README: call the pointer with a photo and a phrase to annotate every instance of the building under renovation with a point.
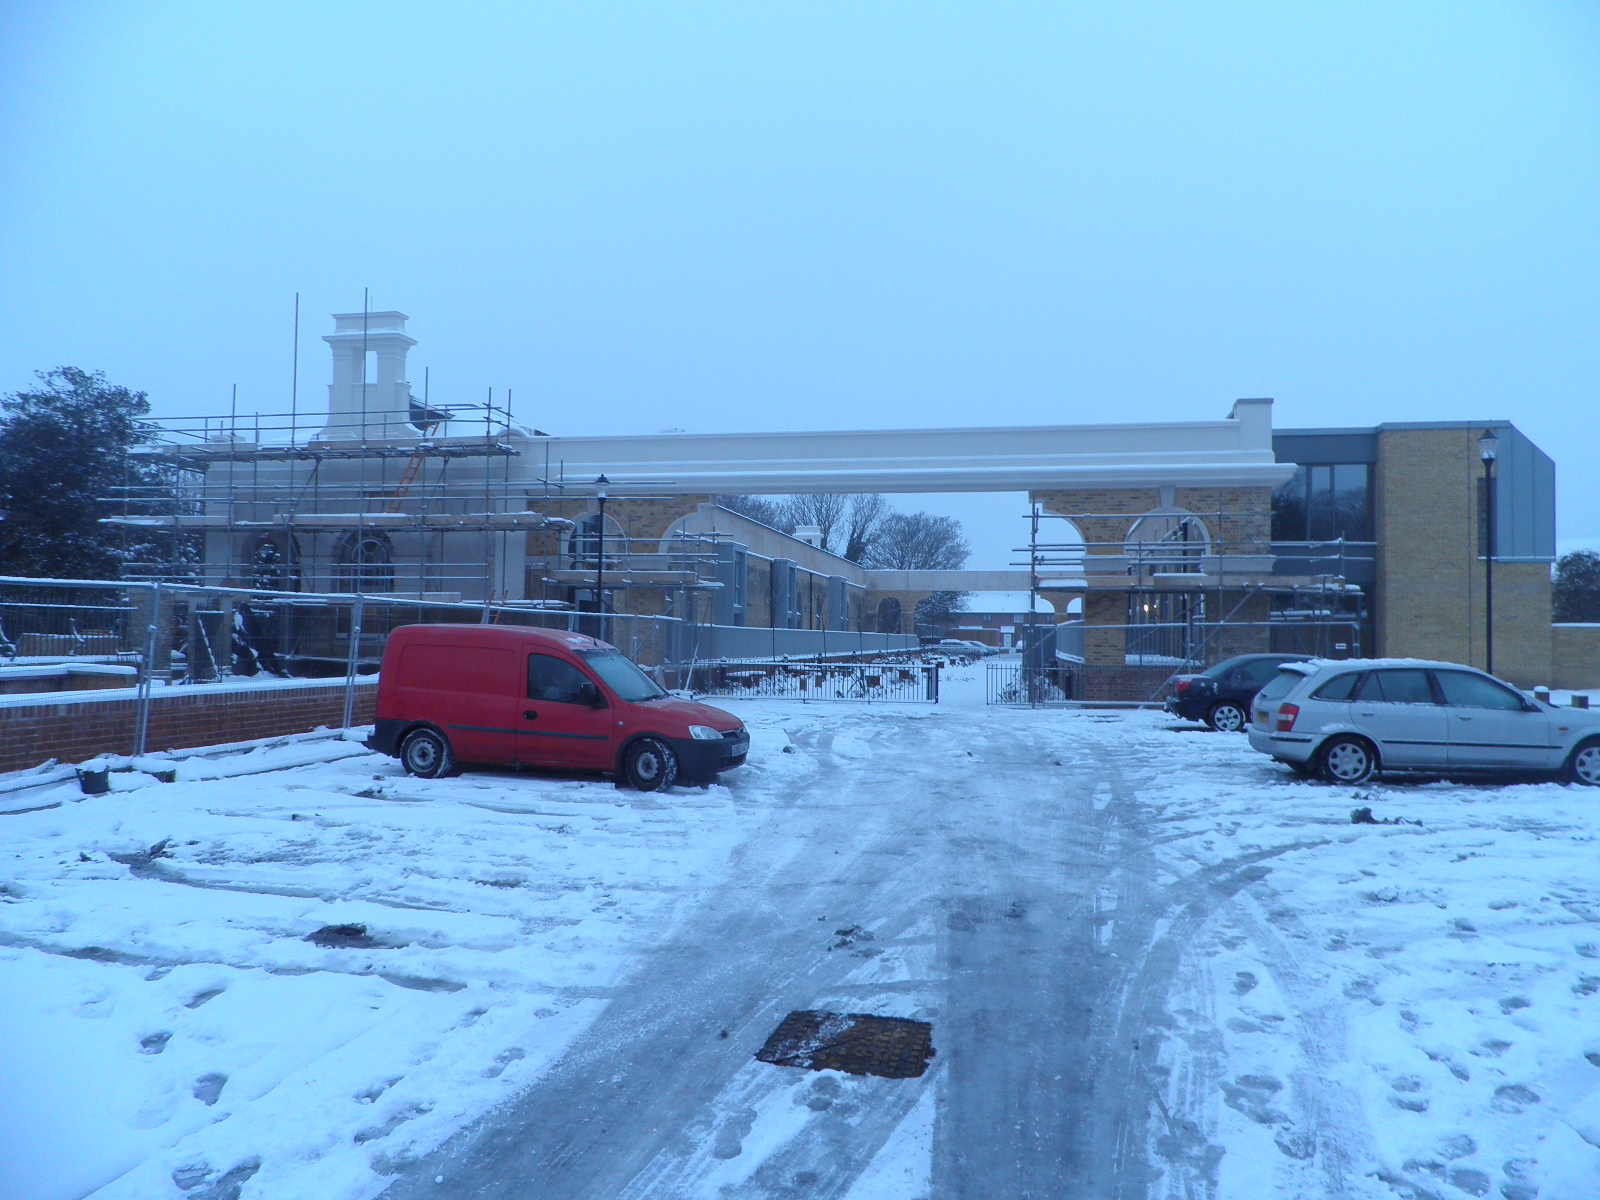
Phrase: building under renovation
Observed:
(1156, 545)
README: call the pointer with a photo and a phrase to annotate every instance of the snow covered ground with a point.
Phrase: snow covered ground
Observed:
(1155, 963)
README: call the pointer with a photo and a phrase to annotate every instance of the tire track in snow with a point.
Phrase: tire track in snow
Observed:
(651, 1068)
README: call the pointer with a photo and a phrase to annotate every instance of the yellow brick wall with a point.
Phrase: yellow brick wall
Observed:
(1430, 601)
(1240, 518)
(1575, 656)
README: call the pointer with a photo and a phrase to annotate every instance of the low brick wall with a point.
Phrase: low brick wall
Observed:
(1575, 656)
(1123, 683)
(33, 731)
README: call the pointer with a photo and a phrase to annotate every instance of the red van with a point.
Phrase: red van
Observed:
(511, 696)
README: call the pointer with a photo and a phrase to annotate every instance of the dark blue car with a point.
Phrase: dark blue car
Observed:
(1221, 695)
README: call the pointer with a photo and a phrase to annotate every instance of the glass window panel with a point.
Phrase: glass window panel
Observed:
(554, 680)
(621, 675)
(1351, 507)
(1370, 690)
(1462, 690)
(1320, 523)
(1260, 671)
(1339, 687)
(1279, 685)
(1289, 509)
(1405, 687)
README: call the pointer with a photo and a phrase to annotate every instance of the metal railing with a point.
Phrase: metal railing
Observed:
(1075, 663)
(74, 635)
(915, 682)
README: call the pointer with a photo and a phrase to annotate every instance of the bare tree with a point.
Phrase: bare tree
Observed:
(825, 510)
(769, 510)
(918, 542)
(861, 529)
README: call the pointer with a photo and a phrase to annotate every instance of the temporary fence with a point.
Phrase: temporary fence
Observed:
(1121, 664)
(70, 636)
(880, 681)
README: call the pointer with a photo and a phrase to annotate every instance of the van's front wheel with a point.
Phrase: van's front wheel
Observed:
(649, 765)
(426, 754)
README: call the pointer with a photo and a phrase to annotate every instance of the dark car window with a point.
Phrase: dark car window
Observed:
(1279, 685)
(1339, 687)
(555, 680)
(1464, 690)
(621, 675)
(1396, 687)
(1254, 674)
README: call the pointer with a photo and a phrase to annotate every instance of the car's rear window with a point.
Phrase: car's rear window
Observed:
(1279, 685)
(1338, 688)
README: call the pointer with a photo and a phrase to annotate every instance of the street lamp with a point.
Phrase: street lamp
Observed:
(600, 486)
(1487, 445)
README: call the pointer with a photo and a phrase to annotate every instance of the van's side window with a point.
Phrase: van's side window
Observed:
(554, 679)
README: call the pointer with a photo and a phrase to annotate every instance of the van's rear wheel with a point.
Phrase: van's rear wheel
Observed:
(426, 754)
(650, 765)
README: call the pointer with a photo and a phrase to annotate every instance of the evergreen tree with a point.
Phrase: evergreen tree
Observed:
(1577, 588)
(63, 451)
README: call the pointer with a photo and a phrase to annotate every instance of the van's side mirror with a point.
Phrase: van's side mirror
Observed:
(589, 694)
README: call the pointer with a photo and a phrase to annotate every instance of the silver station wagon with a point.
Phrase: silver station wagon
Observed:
(1347, 720)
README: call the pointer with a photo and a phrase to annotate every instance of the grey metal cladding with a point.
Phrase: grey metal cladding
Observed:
(1315, 446)
(1525, 500)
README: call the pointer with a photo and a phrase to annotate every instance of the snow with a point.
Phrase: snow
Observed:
(1322, 1008)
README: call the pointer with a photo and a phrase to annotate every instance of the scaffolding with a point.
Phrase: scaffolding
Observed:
(1173, 594)
(446, 517)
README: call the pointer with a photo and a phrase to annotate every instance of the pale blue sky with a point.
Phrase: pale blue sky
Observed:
(810, 216)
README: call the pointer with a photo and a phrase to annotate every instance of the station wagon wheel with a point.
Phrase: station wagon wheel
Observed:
(427, 754)
(1347, 760)
(1584, 765)
(649, 765)
(1226, 717)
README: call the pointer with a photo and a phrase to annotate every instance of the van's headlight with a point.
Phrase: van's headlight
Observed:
(704, 733)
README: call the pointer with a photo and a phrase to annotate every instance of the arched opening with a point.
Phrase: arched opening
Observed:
(1166, 622)
(1165, 542)
(364, 562)
(275, 563)
(584, 543)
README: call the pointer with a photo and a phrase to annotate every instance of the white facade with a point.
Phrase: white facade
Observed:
(1234, 452)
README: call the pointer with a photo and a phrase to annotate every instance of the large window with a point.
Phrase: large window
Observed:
(1324, 502)
(365, 563)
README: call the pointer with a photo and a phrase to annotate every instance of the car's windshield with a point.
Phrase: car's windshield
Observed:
(626, 680)
(1221, 669)
(1279, 685)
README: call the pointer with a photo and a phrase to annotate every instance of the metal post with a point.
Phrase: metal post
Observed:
(1033, 605)
(1487, 445)
(600, 485)
(141, 704)
(350, 666)
(1488, 568)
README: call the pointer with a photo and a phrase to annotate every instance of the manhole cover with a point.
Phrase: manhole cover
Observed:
(851, 1042)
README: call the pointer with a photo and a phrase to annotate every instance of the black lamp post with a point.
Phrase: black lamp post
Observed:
(600, 486)
(1487, 445)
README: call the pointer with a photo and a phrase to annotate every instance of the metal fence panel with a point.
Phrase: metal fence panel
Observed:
(890, 681)
(1135, 664)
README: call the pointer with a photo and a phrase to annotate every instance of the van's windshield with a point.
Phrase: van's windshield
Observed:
(621, 675)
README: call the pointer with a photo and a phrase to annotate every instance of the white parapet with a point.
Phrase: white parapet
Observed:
(1235, 452)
